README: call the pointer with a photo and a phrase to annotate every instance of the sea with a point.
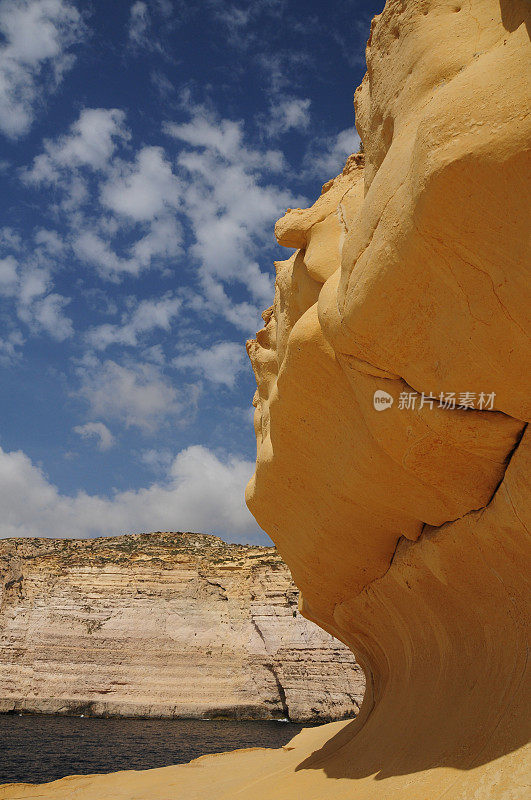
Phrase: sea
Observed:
(37, 749)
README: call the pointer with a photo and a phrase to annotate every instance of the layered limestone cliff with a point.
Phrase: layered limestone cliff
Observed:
(165, 624)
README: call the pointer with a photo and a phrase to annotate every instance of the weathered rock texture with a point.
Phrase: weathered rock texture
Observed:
(172, 624)
(405, 529)
(446, 711)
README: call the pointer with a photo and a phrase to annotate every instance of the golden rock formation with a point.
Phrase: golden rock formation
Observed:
(404, 527)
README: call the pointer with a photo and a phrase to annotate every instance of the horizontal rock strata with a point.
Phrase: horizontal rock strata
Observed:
(163, 625)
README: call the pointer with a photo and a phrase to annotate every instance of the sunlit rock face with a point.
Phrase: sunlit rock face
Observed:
(410, 278)
(163, 625)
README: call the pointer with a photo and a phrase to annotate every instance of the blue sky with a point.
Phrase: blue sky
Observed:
(147, 149)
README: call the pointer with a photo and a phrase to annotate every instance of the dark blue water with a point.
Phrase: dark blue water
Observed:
(37, 749)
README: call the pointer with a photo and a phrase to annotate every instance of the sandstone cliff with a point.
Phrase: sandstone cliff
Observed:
(173, 624)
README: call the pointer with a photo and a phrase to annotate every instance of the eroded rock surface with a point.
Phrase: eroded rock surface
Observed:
(163, 625)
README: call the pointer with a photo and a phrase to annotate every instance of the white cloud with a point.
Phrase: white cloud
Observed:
(98, 300)
(200, 492)
(33, 284)
(230, 208)
(137, 395)
(91, 248)
(142, 190)
(215, 300)
(140, 29)
(147, 316)
(163, 241)
(50, 241)
(164, 7)
(8, 275)
(29, 288)
(236, 20)
(225, 139)
(47, 315)
(216, 204)
(91, 142)
(10, 238)
(221, 363)
(138, 23)
(243, 26)
(97, 430)
(163, 84)
(9, 347)
(288, 113)
(26, 287)
(37, 35)
(154, 354)
(327, 158)
(158, 461)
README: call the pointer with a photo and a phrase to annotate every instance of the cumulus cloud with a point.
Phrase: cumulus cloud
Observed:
(162, 241)
(158, 460)
(243, 26)
(28, 287)
(326, 159)
(288, 113)
(127, 211)
(215, 300)
(230, 206)
(33, 283)
(163, 84)
(140, 30)
(221, 363)
(199, 492)
(10, 345)
(138, 23)
(146, 316)
(142, 190)
(98, 431)
(37, 36)
(10, 238)
(92, 248)
(138, 395)
(91, 142)
(87, 168)
(8, 275)
(224, 138)
(46, 314)
(50, 241)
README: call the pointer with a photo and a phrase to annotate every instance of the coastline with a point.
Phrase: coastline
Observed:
(237, 714)
(43, 749)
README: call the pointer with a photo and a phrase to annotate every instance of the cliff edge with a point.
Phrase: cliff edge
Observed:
(163, 625)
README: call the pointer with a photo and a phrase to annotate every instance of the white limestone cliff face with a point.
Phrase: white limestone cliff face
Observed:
(163, 625)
